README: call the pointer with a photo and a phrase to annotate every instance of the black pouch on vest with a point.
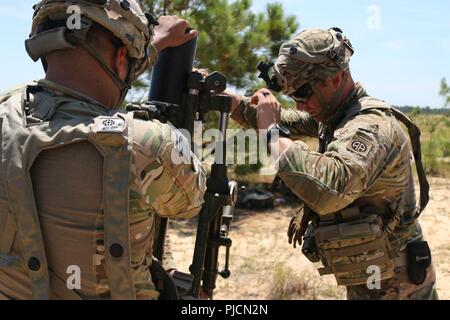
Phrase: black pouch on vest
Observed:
(419, 259)
(309, 248)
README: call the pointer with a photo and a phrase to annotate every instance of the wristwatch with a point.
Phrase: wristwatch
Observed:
(283, 131)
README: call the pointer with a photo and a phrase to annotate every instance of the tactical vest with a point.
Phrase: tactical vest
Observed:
(26, 131)
(349, 248)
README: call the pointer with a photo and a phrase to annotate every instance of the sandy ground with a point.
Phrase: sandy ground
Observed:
(265, 266)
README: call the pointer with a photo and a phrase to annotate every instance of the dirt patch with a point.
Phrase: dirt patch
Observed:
(265, 266)
(435, 222)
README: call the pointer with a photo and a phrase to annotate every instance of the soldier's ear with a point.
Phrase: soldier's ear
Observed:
(121, 63)
(337, 79)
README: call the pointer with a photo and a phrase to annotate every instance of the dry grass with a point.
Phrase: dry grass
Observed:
(288, 285)
(264, 266)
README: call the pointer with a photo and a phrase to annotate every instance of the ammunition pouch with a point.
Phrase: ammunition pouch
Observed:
(349, 249)
(419, 260)
(309, 248)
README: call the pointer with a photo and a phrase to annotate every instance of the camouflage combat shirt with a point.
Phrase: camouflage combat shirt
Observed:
(67, 184)
(368, 162)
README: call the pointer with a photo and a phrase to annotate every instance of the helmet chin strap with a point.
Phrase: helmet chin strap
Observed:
(329, 108)
(123, 86)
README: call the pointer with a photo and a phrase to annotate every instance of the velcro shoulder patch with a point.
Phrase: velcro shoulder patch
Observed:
(360, 144)
(109, 125)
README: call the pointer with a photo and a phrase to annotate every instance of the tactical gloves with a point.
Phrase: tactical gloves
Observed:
(297, 229)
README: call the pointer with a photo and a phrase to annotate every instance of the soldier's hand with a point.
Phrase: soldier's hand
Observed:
(202, 71)
(171, 32)
(295, 231)
(236, 99)
(268, 107)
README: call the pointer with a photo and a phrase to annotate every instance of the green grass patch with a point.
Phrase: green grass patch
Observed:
(435, 141)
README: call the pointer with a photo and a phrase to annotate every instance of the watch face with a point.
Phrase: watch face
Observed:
(284, 131)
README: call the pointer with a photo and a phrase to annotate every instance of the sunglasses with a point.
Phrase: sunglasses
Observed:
(303, 93)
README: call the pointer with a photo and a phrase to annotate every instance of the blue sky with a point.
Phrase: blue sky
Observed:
(402, 47)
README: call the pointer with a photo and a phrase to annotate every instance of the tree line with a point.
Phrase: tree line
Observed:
(233, 39)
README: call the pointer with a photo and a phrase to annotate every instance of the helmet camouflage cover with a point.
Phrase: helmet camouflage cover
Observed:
(123, 18)
(311, 56)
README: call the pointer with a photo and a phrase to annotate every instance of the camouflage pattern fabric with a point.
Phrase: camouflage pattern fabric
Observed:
(71, 213)
(311, 56)
(130, 25)
(299, 123)
(368, 163)
(397, 288)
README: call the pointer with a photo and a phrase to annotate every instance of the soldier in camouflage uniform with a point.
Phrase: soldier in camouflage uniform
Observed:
(82, 181)
(359, 212)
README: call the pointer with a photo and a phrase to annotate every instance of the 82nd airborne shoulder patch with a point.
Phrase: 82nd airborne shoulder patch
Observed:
(360, 145)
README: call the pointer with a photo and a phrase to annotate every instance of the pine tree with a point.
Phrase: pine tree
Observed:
(233, 39)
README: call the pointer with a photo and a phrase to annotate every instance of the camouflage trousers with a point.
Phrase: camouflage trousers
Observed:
(398, 288)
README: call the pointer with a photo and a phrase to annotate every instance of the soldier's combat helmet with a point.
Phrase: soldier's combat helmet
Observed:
(55, 27)
(312, 55)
